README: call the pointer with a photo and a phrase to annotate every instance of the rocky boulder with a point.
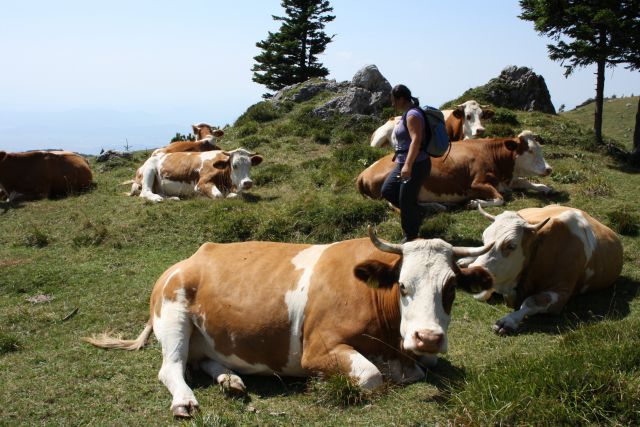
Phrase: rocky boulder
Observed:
(519, 88)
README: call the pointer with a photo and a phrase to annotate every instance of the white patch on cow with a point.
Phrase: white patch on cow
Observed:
(522, 184)
(512, 320)
(215, 193)
(177, 188)
(506, 231)
(296, 301)
(173, 329)
(531, 162)
(473, 204)
(580, 227)
(240, 160)
(425, 270)
(385, 134)
(367, 374)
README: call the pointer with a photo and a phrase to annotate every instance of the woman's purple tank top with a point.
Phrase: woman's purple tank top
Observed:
(404, 138)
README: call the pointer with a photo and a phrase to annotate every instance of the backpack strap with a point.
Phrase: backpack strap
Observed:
(426, 131)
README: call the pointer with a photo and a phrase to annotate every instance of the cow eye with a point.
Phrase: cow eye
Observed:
(403, 289)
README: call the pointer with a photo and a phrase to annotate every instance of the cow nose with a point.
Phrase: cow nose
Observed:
(428, 341)
(480, 131)
(548, 171)
(247, 185)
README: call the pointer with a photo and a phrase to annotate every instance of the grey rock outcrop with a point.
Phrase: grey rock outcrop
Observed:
(111, 154)
(367, 93)
(520, 88)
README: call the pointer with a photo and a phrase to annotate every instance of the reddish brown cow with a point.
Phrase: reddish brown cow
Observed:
(37, 174)
(205, 134)
(473, 170)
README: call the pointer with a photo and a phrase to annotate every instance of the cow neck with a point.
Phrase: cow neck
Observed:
(387, 307)
(503, 159)
(524, 283)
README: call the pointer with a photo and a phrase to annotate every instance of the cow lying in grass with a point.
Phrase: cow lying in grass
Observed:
(205, 141)
(473, 170)
(38, 174)
(463, 122)
(541, 257)
(213, 174)
(297, 310)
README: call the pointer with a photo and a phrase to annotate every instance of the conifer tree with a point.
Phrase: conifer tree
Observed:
(601, 32)
(291, 55)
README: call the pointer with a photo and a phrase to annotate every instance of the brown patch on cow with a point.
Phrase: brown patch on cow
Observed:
(448, 295)
(454, 125)
(44, 173)
(474, 279)
(183, 167)
(188, 147)
(557, 261)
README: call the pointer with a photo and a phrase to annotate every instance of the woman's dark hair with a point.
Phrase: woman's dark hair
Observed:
(401, 91)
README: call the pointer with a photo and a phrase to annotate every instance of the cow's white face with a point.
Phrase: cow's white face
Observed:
(472, 114)
(427, 290)
(531, 162)
(241, 161)
(511, 235)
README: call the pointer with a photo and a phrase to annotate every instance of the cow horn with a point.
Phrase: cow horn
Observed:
(383, 245)
(485, 213)
(461, 252)
(536, 227)
(485, 106)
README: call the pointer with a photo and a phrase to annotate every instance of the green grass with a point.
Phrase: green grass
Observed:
(619, 118)
(101, 252)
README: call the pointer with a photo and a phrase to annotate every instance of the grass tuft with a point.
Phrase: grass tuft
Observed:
(36, 237)
(338, 390)
(624, 222)
(8, 343)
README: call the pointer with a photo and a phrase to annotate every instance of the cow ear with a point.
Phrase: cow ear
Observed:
(511, 145)
(376, 274)
(3, 154)
(195, 129)
(475, 279)
(487, 114)
(256, 160)
(458, 113)
(220, 162)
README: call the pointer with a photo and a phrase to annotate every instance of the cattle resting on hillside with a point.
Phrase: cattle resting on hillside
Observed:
(38, 174)
(472, 170)
(541, 257)
(205, 141)
(463, 122)
(211, 174)
(297, 310)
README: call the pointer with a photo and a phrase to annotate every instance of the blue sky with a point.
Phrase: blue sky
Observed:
(85, 75)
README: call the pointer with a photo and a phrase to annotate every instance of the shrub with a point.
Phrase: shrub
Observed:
(8, 343)
(252, 142)
(624, 222)
(570, 176)
(504, 116)
(91, 235)
(261, 112)
(249, 128)
(36, 237)
(271, 174)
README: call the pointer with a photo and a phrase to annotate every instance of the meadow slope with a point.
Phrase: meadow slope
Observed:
(100, 252)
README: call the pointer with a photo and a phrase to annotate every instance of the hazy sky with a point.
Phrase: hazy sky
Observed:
(85, 75)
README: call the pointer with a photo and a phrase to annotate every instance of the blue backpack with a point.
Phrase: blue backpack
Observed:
(436, 141)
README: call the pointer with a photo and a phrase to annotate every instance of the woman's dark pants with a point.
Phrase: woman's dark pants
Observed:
(404, 195)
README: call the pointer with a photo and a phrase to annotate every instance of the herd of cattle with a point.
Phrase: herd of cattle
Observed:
(362, 307)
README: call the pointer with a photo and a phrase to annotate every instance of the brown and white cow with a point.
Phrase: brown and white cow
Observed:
(472, 170)
(544, 256)
(297, 310)
(463, 122)
(212, 174)
(205, 141)
(36, 174)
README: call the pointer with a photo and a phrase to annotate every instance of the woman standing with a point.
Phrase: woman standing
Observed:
(413, 164)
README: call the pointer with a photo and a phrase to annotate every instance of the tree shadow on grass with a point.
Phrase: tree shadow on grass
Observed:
(612, 303)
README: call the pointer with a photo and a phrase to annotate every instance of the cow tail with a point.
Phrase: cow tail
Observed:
(107, 341)
(131, 181)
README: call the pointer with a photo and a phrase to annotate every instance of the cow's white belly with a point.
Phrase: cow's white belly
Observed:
(428, 196)
(177, 188)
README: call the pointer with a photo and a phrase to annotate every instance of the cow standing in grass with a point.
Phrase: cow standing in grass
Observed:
(541, 257)
(294, 309)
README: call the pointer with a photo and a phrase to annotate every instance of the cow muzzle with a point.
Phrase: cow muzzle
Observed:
(480, 132)
(246, 184)
(428, 341)
(548, 171)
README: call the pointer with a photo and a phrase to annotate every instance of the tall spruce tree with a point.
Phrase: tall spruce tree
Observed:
(291, 55)
(601, 32)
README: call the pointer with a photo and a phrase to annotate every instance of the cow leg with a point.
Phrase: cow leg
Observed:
(484, 195)
(148, 179)
(543, 302)
(523, 184)
(346, 360)
(173, 329)
(228, 380)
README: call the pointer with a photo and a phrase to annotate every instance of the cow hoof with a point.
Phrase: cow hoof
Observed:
(502, 330)
(473, 204)
(233, 386)
(185, 411)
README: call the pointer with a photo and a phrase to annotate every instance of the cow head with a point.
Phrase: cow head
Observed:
(239, 162)
(511, 237)
(426, 278)
(471, 113)
(529, 159)
(206, 131)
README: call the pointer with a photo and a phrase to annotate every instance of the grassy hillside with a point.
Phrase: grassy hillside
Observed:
(619, 118)
(101, 252)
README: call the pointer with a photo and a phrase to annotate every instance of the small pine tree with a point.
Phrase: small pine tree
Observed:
(291, 55)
